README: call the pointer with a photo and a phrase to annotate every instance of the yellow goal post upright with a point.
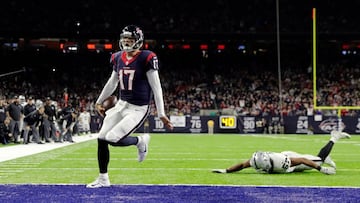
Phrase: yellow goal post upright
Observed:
(316, 107)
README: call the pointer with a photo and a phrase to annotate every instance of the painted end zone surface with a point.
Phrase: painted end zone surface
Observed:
(174, 193)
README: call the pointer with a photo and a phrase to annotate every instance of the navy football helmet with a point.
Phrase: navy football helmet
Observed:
(133, 32)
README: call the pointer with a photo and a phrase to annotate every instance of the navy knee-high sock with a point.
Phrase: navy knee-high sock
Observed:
(103, 155)
(126, 141)
(325, 151)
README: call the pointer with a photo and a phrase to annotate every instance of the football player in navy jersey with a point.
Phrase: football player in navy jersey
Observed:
(135, 72)
(289, 161)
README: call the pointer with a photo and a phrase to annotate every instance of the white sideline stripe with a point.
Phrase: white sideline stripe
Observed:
(11, 170)
(21, 150)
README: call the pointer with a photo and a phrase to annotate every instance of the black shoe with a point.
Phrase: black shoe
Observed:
(16, 142)
(41, 143)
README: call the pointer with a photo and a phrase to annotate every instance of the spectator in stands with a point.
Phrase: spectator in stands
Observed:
(84, 121)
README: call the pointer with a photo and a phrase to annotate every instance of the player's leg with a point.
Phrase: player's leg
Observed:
(103, 153)
(53, 131)
(36, 134)
(12, 126)
(46, 129)
(26, 134)
(326, 150)
(133, 117)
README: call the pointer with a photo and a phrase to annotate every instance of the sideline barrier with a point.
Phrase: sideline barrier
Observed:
(251, 124)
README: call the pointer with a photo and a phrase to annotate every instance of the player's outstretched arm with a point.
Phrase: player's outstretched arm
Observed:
(109, 87)
(234, 168)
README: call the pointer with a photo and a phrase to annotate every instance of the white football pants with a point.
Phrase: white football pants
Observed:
(121, 120)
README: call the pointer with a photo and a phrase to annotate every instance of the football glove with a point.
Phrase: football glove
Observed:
(218, 170)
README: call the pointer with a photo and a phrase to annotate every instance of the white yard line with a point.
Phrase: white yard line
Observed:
(21, 150)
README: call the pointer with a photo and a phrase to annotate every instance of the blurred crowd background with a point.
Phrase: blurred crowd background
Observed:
(242, 76)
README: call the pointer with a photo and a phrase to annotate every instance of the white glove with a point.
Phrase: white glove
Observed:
(328, 170)
(218, 170)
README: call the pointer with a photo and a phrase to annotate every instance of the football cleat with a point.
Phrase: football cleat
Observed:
(337, 135)
(328, 170)
(330, 162)
(99, 182)
(142, 146)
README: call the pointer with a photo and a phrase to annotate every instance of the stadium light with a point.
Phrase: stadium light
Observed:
(109, 46)
(171, 46)
(204, 46)
(220, 46)
(186, 46)
(91, 46)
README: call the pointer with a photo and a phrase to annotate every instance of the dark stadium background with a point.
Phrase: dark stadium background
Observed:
(49, 47)
(223, 46)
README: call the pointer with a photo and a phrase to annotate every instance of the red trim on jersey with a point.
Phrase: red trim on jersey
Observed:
(127, 61)
(151, 55)
(112, 60)
(112, 57)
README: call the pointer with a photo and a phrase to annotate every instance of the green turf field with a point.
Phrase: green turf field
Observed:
(186, 159)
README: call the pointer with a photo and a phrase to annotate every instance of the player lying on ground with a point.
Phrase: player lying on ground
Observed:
(289, 161)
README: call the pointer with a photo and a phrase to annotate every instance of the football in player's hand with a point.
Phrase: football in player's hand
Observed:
(108, 103)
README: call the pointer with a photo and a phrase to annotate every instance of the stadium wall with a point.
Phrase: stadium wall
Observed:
(317, 124)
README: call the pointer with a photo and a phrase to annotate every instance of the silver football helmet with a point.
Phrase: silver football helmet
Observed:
(261, 161)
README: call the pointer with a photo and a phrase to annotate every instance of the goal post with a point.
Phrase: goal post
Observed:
(314, 57)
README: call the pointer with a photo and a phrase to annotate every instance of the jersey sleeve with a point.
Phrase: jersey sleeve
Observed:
(154, 81)
(152, 61)
(114, 60)
(109, 87)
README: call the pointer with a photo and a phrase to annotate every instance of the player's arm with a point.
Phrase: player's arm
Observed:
(154, 81)
(300, 160)
(107, 90)
(234, 168)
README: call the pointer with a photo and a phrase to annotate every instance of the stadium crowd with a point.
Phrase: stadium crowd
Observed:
(240, 90)
(221, 82)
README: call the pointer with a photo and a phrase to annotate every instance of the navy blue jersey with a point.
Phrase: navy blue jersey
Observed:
(133, 83)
